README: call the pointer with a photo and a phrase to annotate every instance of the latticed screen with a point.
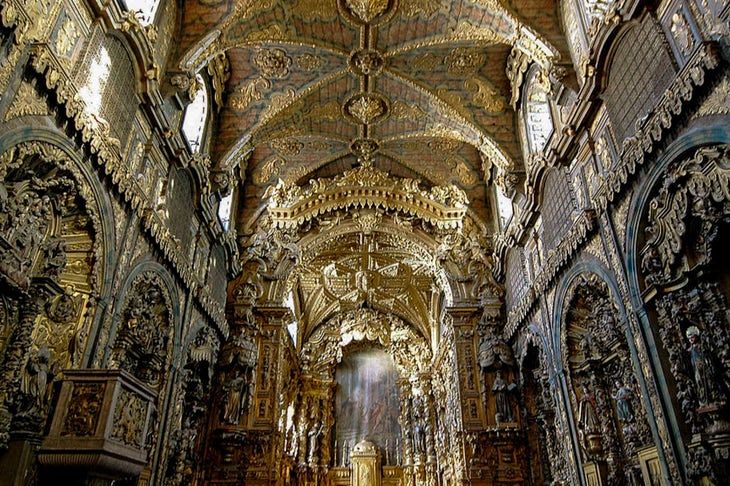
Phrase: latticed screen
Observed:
(640, 72)
(516, 279)
(558, 206)
(111, 97)
(217, 282)
(180, 209)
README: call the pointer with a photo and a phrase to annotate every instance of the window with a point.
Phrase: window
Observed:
(145, 8)
(538, 120)
(504, 208)
(294, 325)
(92, 92)
(195, 116)
(224, 211)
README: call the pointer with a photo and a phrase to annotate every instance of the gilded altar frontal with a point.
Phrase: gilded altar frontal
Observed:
(364, 242)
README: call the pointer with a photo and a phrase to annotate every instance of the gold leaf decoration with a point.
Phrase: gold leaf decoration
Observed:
(484, 96)
(273, 63)
(465, 174)
(367, 10)
(274, 32)
(464, 61)
(718, 103)
(454, 101)
(427, 62)
(26, 102)
(406, 111)
(366, 108)
(309, 10)
(468, 31)
(278, 102)
(287, 147)
(427, 8)
(269, 169)
(329, 111)
(444, 145)
(67, 37)
(309, 62)
(247, 94)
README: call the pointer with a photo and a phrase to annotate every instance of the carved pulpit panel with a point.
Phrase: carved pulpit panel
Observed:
(365, 460)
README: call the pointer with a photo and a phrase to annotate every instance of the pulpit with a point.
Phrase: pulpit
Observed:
(99, 428)
(365, 461)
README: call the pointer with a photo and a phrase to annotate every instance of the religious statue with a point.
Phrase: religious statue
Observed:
(588, 423)
(34, 381)
(702, 367)
(419, 433)
(313, 436)
(502, 402)
(623, 402)
(236, 400)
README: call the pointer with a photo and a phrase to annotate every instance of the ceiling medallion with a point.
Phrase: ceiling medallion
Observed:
(364, 149)
(366, 108)
(366, 62)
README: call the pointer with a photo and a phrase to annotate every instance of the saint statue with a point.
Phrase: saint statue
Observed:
(704, 371)
(420, 437)
(34, 380)
(623, 402)
(236, 400)
(503, 408)
(587, 418)
(313, 435)
(588, 424)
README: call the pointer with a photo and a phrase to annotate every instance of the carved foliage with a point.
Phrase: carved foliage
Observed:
(685, 217)
(141, 346)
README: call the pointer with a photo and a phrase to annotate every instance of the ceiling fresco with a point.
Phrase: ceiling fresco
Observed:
(420, 87)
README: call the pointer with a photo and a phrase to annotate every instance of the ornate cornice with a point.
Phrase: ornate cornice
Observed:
(367, 187)
(636, 151)
(94, 135)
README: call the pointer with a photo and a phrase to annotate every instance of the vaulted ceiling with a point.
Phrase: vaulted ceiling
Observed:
(418, 86)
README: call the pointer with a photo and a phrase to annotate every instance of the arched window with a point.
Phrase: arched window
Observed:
(92, 92)
(146, 9)
(504, 208)
(224, 211)
(537, 116)
(196, 115)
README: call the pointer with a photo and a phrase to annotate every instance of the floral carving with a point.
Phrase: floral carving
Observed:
(273, 63)
(366, 108)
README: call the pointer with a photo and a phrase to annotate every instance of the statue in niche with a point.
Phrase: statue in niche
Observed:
(34, 383)
(702, 367)
(236, 401)
(419, 433)
(588, 423)
(314, 435)
(501, 391)
(623, 396)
